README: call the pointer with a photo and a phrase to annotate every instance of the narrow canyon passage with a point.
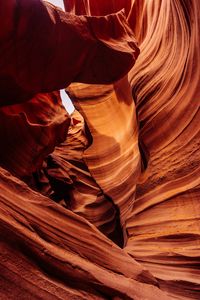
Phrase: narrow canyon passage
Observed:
(100, 199)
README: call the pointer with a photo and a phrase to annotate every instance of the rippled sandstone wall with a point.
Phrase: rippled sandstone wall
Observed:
(164, 229)
(163, 226)
(126, 172)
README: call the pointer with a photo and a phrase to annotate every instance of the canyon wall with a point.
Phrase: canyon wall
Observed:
(102, 204)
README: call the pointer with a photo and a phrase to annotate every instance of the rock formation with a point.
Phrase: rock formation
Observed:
(102, 204)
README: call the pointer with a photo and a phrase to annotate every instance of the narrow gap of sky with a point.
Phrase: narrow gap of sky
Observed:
(57, 3)
(65, 99)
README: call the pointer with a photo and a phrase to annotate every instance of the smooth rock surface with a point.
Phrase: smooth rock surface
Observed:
(123, 170)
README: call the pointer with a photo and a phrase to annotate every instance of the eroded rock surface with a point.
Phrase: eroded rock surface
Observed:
(123, 170)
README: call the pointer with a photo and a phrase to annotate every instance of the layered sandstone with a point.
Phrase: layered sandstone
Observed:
(103, 204)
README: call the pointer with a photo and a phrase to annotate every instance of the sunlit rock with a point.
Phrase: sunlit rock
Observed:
(101, 202)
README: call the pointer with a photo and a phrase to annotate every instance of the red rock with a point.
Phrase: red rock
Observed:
(94, 168)
(30, 131)
(61, 49)
(56, 253)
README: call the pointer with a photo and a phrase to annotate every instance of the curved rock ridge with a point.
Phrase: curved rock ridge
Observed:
(72, 185)
(30, 131)
(134, 11)
(123, 170)
(62, 48)
(113, 157)
(47, 251)
(164, 230)
(59, 254)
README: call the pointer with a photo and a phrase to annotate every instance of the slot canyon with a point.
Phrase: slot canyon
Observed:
(102, 202)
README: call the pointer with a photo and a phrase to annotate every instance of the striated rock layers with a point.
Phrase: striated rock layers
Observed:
(102, 204)
(164, 229)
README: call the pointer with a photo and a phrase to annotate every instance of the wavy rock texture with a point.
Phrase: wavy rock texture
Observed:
(47, 251)
(73, 186)
(114, 132)
(65, 254)
(129, 171)
(164, 231)
(164, 227)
